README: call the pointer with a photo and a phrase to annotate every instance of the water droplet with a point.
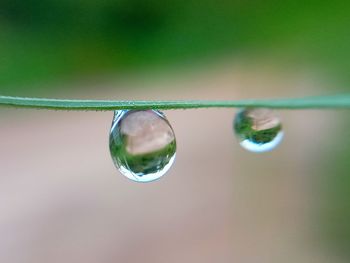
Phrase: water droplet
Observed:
(142, 144)
(258, 130)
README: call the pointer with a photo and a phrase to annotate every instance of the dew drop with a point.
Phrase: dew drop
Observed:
(142, 144)
(258, 130)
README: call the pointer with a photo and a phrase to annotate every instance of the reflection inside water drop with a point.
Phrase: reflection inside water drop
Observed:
(258, 130)
(142, 144)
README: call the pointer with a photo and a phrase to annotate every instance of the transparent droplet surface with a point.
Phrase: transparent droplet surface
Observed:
(142, 144)
(258, 129)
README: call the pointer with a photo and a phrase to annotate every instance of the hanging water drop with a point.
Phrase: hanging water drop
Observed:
(142, 144)
(258, 129)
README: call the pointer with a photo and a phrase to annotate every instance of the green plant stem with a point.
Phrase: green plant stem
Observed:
(324, 102)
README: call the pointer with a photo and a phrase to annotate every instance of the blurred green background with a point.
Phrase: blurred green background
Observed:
(56, 47)
(50, 40)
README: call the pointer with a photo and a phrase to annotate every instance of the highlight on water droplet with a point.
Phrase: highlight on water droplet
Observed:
(258, 129)
(142, 144)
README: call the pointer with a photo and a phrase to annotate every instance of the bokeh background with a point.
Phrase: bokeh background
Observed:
(61, 198)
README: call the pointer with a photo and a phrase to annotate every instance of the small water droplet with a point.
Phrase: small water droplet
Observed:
(142, 144)
(258, 130)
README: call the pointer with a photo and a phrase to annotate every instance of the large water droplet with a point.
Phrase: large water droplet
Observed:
(142, 144)
(258, 130)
